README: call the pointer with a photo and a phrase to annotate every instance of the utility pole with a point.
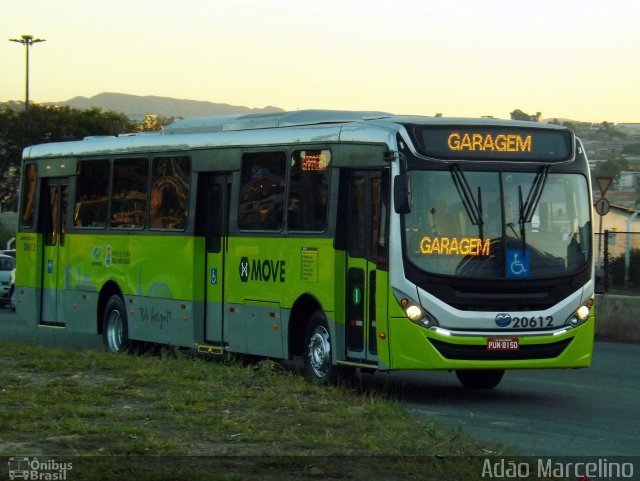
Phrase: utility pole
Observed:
(27, 41)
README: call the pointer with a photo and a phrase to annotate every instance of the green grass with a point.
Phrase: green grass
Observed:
(120, 409)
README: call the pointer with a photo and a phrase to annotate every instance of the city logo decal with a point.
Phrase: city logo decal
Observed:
(96, 256)
(96, 253)
(503, 319)
(261, 270)
(107, 257)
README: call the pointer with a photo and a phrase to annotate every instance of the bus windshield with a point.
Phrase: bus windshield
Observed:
(482, 230)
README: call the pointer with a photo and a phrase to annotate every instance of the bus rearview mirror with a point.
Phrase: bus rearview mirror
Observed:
(402, 194)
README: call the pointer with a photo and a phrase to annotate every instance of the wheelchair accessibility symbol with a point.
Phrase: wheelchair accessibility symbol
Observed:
(518, 263)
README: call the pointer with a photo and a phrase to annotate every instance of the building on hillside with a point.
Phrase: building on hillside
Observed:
(623, 225)
(631, 129)
(629, 181)
(617, 219)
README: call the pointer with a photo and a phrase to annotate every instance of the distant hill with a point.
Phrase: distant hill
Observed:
(135, 105)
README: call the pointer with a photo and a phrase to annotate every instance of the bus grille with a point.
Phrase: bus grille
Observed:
(501, 296)
(481, 353)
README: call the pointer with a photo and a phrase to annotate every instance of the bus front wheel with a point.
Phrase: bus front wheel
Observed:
(115, 332)
(317, 351)
(480, 378)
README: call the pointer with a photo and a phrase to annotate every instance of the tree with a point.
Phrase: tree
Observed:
(520, 115)
(612, 168)
(631, 149)
(42, 124)
(607, 131)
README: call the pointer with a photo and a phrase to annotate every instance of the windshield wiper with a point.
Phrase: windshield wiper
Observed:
(533, 199)
(473, 207)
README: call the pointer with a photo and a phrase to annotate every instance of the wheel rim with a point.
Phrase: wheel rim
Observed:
(115, 331)
(320, 352)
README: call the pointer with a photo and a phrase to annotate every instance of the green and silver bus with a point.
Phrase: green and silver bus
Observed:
(355, 240)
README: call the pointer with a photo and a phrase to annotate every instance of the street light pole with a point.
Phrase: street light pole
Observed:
(27, 41)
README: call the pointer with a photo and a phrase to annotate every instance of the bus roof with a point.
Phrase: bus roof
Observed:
(304, 126)
(317, 117)
(270, 120)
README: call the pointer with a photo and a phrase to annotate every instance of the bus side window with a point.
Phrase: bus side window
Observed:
(29, 195)
(63, 212)
(261, 203)
(357, 213)
(308, 190)
(92, 190)
(129, 194)
(380, 218)
(51, 218)
(168, 205)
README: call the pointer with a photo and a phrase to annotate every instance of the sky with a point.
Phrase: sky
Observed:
(573, 59)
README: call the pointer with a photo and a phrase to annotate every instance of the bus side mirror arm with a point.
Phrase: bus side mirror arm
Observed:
(402, 194)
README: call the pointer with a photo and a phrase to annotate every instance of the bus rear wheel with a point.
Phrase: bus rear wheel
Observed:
(115, 329)
(318, 351)
(480, 378)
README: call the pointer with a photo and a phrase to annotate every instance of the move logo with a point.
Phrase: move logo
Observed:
(261, 270)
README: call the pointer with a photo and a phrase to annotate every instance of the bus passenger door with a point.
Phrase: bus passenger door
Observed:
(367, 261)
(215, 202)
(53, 214)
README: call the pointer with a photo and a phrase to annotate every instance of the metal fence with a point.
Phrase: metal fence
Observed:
(618, 262)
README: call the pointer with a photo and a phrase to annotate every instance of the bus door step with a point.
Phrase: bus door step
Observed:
(362, 365)
(211, 350)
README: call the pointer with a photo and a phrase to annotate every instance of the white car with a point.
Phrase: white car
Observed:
(7, 267)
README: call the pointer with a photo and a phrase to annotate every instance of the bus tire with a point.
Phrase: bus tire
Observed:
(115, 329)
(480, 378)
(318, 351)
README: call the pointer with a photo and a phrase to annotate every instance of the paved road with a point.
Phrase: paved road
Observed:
(583, 412)
(578, 412)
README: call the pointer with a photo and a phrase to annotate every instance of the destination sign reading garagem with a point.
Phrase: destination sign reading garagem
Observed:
(494, 143)
(465, 246)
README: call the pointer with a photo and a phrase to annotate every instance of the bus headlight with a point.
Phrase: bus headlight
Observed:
(580, 315)
(414, 311)
(417, 314)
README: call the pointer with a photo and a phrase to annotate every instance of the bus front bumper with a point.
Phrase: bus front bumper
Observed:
(414, 347)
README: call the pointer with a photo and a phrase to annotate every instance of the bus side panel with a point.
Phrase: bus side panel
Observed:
(264, 278)
(156, 275)
(338, 315)
(382, 319)
(28, 276)
(161, 301)
(164, 321)
(80, 310)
